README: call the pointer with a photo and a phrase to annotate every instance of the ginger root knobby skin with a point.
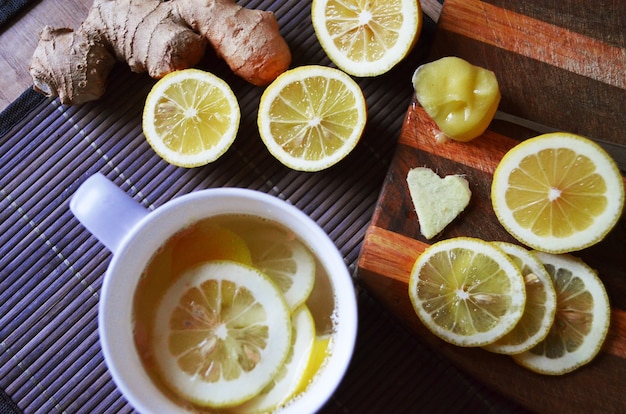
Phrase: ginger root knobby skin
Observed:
(158, 37)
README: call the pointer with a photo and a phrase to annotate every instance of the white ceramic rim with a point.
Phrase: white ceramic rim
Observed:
(117, 292)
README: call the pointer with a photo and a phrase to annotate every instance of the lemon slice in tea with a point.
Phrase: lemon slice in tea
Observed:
(558, 192)
(285, 384)
(540, 304)
(321, 349)
(190, 117)
(467, 291)
(581, 322)
(283, 258)
(204, 242)
(222, 333)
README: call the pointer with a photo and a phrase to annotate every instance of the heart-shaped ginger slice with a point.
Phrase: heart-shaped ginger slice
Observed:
(437, 200)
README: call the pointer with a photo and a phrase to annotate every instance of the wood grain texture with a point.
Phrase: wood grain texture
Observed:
(603, 20)
(582, 89)
(548, 73)
(536, 39)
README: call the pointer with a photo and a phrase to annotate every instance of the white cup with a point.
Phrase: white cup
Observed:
(133, 234)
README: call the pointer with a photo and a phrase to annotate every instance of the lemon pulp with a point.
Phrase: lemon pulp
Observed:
(366, 38)
(540, 305)
(467, 291)
(190, 117)
(222, 333)
(312, 117)
(581, 321)
(558, 192)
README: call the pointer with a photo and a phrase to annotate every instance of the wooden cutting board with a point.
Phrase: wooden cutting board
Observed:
(562, 65)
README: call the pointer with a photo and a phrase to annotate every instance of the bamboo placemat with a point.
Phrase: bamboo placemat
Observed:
(10, 8)
(51, 268)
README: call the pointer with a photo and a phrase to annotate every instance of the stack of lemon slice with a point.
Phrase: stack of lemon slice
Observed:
(234, 330)
(550, 312)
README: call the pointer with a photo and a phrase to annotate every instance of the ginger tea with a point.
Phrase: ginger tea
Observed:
(244, 244)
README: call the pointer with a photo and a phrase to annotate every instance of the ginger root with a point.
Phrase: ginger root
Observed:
(158, 37)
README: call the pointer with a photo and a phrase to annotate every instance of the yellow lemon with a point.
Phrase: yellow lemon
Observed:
(312, 117)
(204, 242)
(558, 192)
(540, 304)
(321, 349)
(284, 386)
(283, 258)
(190, 117)
(366, 38)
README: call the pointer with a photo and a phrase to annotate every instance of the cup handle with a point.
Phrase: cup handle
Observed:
(106, 211)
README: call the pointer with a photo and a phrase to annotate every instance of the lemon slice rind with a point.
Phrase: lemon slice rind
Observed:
(322, 346)
(285, 384)
(511, 344)
(285, 260)
(599, 326)
(321, 85)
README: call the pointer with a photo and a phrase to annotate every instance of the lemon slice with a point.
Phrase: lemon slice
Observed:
(190, 117)
(319, 353)
(540, 304)
(582, 318)
(558, 192)
(311, 117)
(285, 385)
(205, 242)
(222, 332)
(366, 38)
(467, 291)
(283, 258)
